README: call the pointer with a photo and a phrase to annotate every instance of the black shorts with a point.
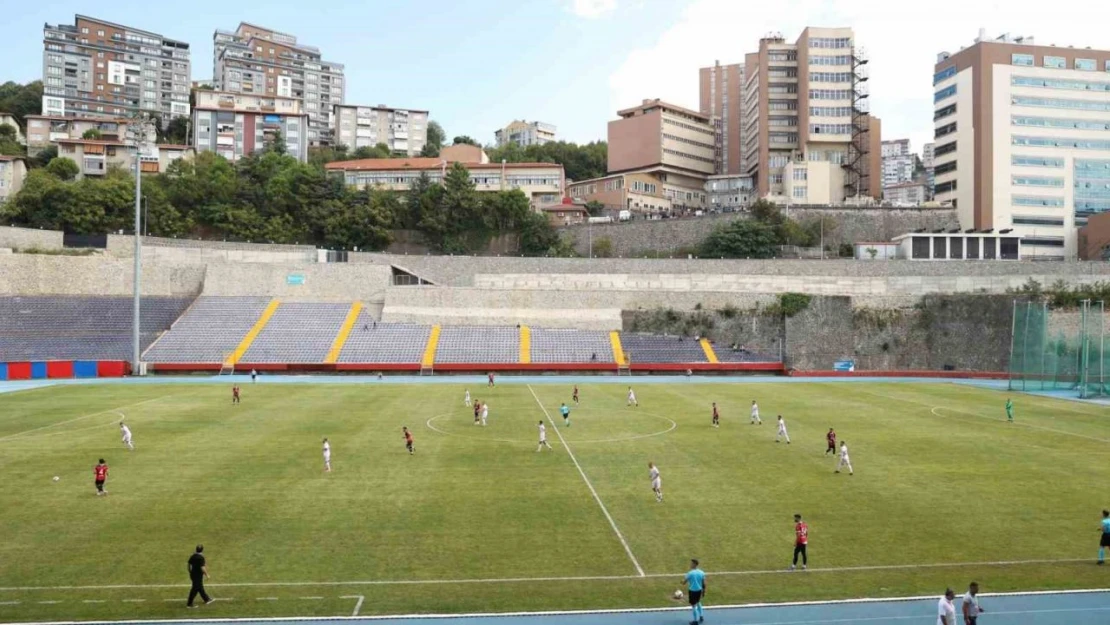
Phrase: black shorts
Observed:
(99, 484)
(1105, 542)
(972, 620)
(695, 597)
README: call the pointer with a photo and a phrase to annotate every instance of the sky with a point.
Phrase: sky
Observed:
(477, 65)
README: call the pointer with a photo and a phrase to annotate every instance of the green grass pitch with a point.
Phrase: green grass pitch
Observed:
(940, 479)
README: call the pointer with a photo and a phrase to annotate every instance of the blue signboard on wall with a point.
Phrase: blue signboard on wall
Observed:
(295, 279)
(844, 365)
(272, 119)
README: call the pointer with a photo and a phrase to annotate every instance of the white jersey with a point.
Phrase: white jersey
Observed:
(467, 398)
(543, 433)
(327, 450)
(782, 426)
(631, 395)
(126, 432)
(946, 610)
(844, 452)
(655, 479)
(485, 410)
(755, 411)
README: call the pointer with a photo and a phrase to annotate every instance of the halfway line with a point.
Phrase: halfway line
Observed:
(612, 523)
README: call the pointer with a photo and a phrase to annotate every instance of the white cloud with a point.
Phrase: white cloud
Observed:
(592, 9)
(901, 39)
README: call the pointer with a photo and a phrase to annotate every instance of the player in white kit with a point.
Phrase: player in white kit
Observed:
(327, 456)
(782, 431)
(485, 413)
(844, 461)
(656, 481)
(125, 433)
(755, 414)
(632, 398)
(543, 437)
(466, 399)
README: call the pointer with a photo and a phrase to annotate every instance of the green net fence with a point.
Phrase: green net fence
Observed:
(1060, 349)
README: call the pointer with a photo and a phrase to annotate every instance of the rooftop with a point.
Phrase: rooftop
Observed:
(90, 142)
(381, 107)
(424, 164)
(657, 103)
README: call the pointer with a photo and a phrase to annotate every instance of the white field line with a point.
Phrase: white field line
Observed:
(861, 600)
(580, 578)
(612, 523)
(358, 604)
(82, 417)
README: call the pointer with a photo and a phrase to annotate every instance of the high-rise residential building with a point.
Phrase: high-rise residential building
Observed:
(98, 68)
(721, 90)
(1023, 139)
(672, 145)
(253, 60)
(898, 163)
(234, 125)
(525, 133)
(404, 131)
(927, 159)
(805, 106)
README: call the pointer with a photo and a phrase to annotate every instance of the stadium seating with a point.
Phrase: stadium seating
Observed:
(726, 353)
(372, 341)
(661, 349)
(297, 333)
(571, 346)
(209, 331)
(466, 344)
(80, 328)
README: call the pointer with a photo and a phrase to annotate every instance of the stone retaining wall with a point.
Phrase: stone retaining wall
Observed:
(29, 238)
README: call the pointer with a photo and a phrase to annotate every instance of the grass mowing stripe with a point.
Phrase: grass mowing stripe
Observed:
(612, 523)
(94, 414)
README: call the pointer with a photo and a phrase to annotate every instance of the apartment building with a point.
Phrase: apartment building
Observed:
(45, 130)
(912, 193)
(898, 162)
(807, 101)
(234, 125)
(98, 68)
(94, 157)
(13, 169)
(405, 131)
(927, 161)
(252, 60)
(721, 95)
(525, 133)
(543, 183)
(641, 193)
(1023, 139)
(674, 145)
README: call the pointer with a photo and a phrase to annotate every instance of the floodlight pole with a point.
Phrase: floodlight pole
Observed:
(137, 135)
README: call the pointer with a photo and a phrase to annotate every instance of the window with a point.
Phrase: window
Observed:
(945, 93)
(1049, 122)
(947, 148)
(940, 247)
(1038, 221)
(920, 248)
(1086, 65)
(956, 248)
(1022, 59)
(1042, 241)
(1055, 83)
(800, 192)
(947, 129)
(1060, 103)
(829, 60)
(1038, 181)
(940, 170)
(1035, 161)
(830, 94)
(947, 73)
(800, 174)
(100, 33)
(775, 179)
(1060, 142)
(945, 187)
(944, 112)
(84, 31)
(1036, 200)
(1055, 62)
(830, 42)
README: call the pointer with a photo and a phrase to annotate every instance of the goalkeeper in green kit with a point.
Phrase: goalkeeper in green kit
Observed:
(1009, 410)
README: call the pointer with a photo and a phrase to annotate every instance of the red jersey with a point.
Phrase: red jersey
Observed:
(235, 391)
(715, 412)
(831, 437)
(101, 471)
(801, 533)
(408, 437)
(576, 391)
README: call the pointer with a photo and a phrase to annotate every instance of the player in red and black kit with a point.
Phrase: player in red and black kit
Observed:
(490, 379)
(831, 438)
(477, 410)
(408, 441)
(575, 396)
(801, 539)
(716, 416)
(235, 394)
(100, 473)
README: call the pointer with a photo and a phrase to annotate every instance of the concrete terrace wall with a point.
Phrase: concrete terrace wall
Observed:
(27, 238)
(318, 282)
(38, 274)
(190, 251)
(668, 235)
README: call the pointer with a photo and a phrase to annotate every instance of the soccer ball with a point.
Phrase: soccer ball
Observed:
(56, 478)
(678, 595)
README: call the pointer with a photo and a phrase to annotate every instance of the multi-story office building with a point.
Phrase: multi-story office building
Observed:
(543, 183)
(806, 102)
(103, 69)
(234, 125)
(1023, 139)
(404, 131)
(673, 145)
(898, 162)
(252, 60)
(46, 130)
(721, 90)
(729, 191)
(525, 133)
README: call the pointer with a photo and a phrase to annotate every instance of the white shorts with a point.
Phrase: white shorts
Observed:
(657, 484)
(782, 431)
(543, 441)
(631, 398)
(127, 439)
(327, 457)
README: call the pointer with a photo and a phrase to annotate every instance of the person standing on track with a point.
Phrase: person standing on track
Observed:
(490, 377)
(198, 571)
(946, 612)
(1102, 544)
(970, 606)
(254, 376)
(695, 583)
(801, 541)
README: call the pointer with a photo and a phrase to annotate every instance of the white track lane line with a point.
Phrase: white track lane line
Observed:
(612, 523)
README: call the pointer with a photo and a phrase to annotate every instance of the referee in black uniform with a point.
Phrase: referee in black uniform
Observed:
(198, 570)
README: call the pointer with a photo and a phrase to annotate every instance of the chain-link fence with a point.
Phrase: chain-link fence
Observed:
(1059, 349)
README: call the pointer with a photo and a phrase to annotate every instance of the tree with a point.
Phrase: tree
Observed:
(743, 238)
(21, 100)
(9, 145)
(63, 168)
(435, 139)
(175, 132)
(580, 162)
(594, 207)
(43, 158)
(276, 143)
(464, 139)
(92, 133)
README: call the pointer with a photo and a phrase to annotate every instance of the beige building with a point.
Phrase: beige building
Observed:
(404, 131)
(565, 214)
(673, 145)
(543, 183)
(13, 170)
(253, 60)
(44, 130)
(95, 157)
(639, 192)
(525, 133)
(234, 125)
(463, 153)
(1023, 139)
(913, 193)
(806, 101)
(721, 88)
(7, 119)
